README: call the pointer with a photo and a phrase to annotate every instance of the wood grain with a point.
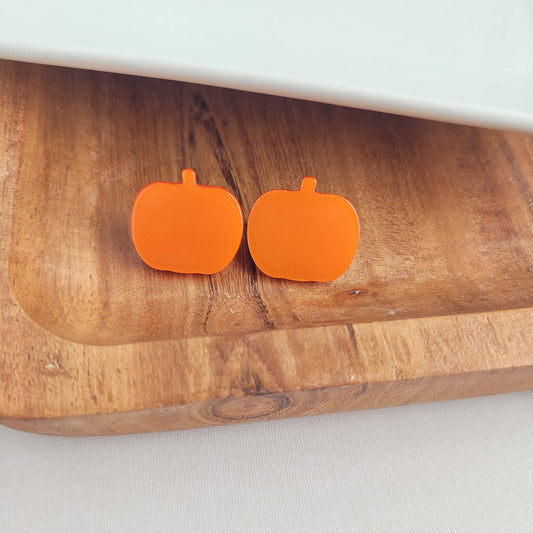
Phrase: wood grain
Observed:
(438, 303)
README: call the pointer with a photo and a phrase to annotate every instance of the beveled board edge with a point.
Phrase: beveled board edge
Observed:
(257, 407)
(421, 360)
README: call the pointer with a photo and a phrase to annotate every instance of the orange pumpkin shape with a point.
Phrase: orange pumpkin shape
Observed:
(303, 235)
(186, 227)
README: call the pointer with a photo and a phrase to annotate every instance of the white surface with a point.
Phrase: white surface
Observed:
(450, 466)
(466, 61)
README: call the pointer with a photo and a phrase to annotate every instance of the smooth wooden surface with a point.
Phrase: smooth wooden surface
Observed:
(437, 304)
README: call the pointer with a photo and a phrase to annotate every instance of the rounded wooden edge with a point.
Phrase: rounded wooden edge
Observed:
(270, 406)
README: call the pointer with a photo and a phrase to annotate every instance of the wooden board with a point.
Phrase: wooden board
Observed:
(437, 304)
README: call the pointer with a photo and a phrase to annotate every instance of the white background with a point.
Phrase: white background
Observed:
(467, 61)
(450, 466)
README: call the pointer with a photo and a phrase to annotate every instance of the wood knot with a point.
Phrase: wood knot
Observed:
(357, 292)
(250, 407)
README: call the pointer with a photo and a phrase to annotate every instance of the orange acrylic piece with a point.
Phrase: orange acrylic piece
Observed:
(303, 235)
(186, 227)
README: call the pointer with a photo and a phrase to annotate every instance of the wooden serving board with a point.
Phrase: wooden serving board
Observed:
(437, 304)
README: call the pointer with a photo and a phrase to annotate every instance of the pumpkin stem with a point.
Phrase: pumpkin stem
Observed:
(308, 185)
(189, 176)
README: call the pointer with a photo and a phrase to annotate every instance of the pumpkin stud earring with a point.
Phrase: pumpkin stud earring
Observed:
(303, 235)
(186, 227)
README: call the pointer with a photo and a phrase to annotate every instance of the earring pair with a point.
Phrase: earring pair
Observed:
(298, 235)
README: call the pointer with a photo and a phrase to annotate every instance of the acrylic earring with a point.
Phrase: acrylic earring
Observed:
(303, 235)
(186, 227)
